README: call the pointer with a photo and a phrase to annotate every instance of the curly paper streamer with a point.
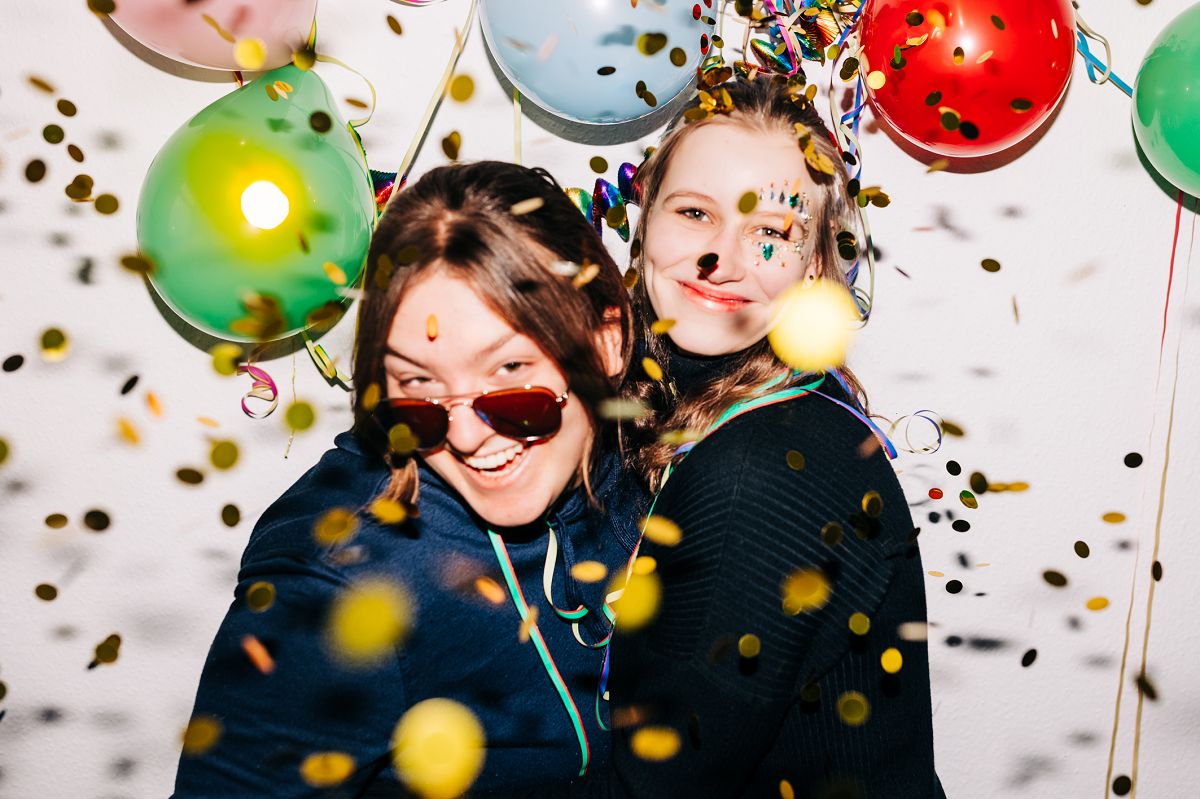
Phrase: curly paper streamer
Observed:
(263, 389)
(927, 416)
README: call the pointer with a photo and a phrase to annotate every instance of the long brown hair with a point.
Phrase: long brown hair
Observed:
(766, 103)
(461, 219)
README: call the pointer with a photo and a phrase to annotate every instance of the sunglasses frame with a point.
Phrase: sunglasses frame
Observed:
(559, 401)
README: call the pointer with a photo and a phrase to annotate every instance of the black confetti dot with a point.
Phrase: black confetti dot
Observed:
(934, 517)
(953, 468)
(14, 362)
(954, 640)
(1054, 578)
(1156, 571)
(954, 586)
(961, 525)
(1133, 460)
(1122, 785)
(1028, 658)
(1082, 549)
(129, 384)
(230, 515)
(96, 520)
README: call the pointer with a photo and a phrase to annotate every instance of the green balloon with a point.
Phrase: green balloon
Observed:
(1166, 102)
(245, 205)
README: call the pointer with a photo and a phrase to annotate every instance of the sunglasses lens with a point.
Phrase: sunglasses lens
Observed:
(520, 413)
(428, 422)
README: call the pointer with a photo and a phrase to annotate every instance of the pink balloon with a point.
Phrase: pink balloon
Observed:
(179, 30)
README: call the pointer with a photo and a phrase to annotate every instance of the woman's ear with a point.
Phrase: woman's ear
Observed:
(611, 341)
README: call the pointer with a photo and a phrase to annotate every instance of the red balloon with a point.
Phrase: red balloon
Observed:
(974, 76)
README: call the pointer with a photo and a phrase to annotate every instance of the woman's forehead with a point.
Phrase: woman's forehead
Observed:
(724, 161)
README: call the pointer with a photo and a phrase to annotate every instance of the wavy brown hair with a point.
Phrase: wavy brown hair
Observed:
(460, 220)
(770, 104)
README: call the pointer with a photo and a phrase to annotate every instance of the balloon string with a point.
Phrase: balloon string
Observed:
(435, 102)
(354, 123)
(1162, 496)
(516, 125)
(1112, 746)
(1091, 62)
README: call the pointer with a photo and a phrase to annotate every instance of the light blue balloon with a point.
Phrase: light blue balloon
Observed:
(551, 51)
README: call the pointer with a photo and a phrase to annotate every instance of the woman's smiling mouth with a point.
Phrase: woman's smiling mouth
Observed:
(709, 299)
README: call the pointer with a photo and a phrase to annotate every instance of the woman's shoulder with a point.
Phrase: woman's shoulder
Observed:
(345, 477)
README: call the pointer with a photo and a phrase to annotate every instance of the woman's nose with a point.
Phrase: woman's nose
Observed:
(466, 432)
(726, 263)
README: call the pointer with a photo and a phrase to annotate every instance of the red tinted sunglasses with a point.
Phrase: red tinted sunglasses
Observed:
(525, 414)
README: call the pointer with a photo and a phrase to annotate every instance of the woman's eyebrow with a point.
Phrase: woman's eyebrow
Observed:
(686, 193)
(388, 349)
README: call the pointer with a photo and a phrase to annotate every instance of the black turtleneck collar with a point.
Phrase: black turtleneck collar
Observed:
(690, 371)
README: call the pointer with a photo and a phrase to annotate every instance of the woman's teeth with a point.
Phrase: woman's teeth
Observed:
(495, 460)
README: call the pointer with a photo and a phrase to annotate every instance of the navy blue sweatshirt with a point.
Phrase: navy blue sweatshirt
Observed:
(463, 647)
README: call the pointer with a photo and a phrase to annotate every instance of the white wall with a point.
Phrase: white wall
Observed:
(1057, 399)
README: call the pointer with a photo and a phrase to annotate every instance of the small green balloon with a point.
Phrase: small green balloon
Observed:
(245, 203)
(1166, 102)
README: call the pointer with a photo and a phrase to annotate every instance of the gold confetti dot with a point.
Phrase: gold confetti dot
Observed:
(224, 454)
(438, 748)
(202, 734)
(101, 7)
(258, 654)
(984, 57)
(250, 53)
(589, 571)
(644, 564)
(935, 573)
(527, 206)
(814, 326)
(389, 511)
(394, 24)
(587, 273)
(749, 646)
(431, 328)
(990, 265)
(527, 625)
(1097, 603)
(795, 460)
(451, 144)
(891, 660)
(225, 358)
(655, 743)
(154, 405)
(1113, 517)
(335, 526)
(937, 165)
(662, 530)
(651, 43)
(260, 596)
(46, 592)
(326, 769)
(300, 415)
(368, 619)
(639, 602)
(127, 431)
(138, 264)
(461, 88)
(371, 396)
(598, 164)
(107, 204)
(913, 631)
(652, 369)
(108, 649)
(401, 440)
(230, 515)
(54, 345)
(661, 326)
(747, 202)
(490, 590)
(860, 623)
(56, 521)
(335, 273)
(853, 709)
(876, 79)
(805, 590)
(786, 791)
(872, 504)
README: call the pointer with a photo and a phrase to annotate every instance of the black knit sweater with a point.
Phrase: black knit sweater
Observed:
(750, 519)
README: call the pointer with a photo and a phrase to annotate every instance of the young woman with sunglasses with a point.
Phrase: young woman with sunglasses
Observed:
(787, 657)
(477, 481)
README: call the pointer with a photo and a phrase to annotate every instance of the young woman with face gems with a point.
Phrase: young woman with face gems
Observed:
(479, 365)
(787, 656)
